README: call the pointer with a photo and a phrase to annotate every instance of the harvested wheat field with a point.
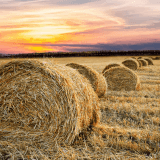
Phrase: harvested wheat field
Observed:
(127, 127)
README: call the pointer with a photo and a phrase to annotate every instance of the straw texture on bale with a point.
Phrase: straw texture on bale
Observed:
(38, 97)
(110, 66)
(144, 62)
(96, 80)
(131, 63)
(149, 60)
(122, 78)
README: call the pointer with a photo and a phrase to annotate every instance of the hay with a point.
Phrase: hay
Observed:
(122, 78)
(49, 99)
(134, 57)
(97, 80)
(144, 62)
(110, 66)
(131, 63)
(140, 63)
(149, 60)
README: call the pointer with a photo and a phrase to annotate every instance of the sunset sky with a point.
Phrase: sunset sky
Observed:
(28, 26)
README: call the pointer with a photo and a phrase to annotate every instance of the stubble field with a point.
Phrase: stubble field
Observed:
(131, 119)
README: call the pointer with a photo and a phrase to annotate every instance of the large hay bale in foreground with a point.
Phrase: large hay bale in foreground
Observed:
(149, 60)
(97, 80)
(144, 62)
(110, 66)
(38, 97)
(131, 63)
(122, 78)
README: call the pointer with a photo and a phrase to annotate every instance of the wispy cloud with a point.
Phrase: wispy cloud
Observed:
(79, 22)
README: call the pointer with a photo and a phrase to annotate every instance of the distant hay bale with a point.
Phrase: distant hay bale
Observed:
(149, 60)
(140, 63)
(144, 62)
(110, 66)
(122, 78)
(131, 64)
(134, 57)
(38, 97)
(97, 80)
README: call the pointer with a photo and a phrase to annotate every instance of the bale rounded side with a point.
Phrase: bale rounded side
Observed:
(38, 97)
(97, 80)
(110, 66)
(131, 64)
(122, 78)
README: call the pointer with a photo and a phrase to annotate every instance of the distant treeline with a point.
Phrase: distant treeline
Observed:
(83, 54)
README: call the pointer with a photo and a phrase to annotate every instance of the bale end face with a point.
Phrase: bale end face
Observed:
(140, 63)
(144, 62)
(121, 78)
(149, 60)
(131, 64)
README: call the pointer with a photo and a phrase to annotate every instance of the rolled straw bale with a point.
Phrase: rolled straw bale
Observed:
(39, 97)
(131, 63)
(122, 78)
(144, 62)
(140, 63)
(149, 60)
(110, 66)
(97, 80)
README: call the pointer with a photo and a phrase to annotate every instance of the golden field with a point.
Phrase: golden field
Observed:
(131, 120)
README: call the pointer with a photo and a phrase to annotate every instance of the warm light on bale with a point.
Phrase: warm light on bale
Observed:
(110, 66)
(122, 78)
(149, 60)
(38, 97)
(144, 62)
(131, 63)
(97, 80)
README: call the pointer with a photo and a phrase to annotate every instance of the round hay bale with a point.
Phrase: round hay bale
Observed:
(144, 62)
(110, 66)
(131, 64)
(140, 63)
(149, 60)
(38, 97)
(122, 78)
(97, 80)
